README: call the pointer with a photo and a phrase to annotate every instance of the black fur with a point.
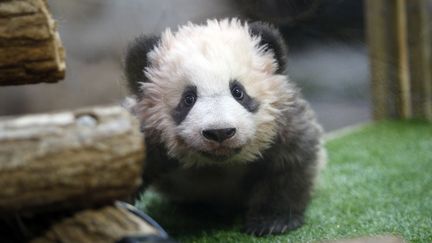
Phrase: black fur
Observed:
(181, 111)
(247, 102)
(136, 60)
(285, 179)
(272, 40)
(276, 188)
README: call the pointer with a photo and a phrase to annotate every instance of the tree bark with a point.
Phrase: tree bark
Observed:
(69, 160)
(30, 46)
(108, 224)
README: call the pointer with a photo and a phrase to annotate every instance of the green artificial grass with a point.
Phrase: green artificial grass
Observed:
(377, 181)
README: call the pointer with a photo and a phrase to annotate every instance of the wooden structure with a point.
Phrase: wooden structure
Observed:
(61, 173)
(30, 46)
(399, 39)
(69, 159)
(108, 224)
(52, 165)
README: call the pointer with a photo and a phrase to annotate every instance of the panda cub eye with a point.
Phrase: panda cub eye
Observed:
(189, 98)
(237, 92)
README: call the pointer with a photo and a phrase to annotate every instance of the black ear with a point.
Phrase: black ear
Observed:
(136, 60)
(272, 40)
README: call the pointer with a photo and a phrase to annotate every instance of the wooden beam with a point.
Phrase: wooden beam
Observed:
(403, 71)
(390, 52)
(381, 57)
(66, 160)
(30, 46)
(419, 40)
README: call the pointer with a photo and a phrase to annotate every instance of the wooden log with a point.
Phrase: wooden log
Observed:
(69, 159)
(419, 40)
(403, 74)
(108, 224)
(30, 46)
(386, 23)
(381, 57)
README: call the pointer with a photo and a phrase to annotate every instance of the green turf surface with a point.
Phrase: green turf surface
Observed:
(378, 181)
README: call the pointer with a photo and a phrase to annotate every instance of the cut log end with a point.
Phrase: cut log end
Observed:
(30, 47)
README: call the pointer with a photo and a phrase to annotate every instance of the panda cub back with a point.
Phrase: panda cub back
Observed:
(223, 123)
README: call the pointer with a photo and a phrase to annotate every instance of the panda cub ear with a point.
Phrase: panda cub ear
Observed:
(272, 40)
(136, 61)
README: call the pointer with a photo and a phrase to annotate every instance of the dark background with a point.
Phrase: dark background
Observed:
(327, 51)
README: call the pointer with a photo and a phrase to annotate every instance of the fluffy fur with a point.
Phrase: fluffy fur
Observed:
(233, 75)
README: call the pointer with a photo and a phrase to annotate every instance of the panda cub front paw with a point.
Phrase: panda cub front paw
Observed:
(261, 226)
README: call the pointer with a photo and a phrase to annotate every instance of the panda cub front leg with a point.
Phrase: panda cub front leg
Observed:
(278, 201)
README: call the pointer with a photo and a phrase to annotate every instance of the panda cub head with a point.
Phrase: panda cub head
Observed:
(211, 93)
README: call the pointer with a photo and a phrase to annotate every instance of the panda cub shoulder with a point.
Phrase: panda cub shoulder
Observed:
(223, 123)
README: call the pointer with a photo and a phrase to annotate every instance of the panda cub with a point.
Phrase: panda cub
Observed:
(223, 123)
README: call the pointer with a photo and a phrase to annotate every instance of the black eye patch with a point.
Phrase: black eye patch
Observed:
(185, 104)
(239, 93)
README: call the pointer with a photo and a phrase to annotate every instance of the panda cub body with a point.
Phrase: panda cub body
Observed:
(223, 124)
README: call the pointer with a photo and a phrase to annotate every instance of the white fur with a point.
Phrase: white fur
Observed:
(209, 56)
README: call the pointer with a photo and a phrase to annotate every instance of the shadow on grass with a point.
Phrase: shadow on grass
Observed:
(190, 219)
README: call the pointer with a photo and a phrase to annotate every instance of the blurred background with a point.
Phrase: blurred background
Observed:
(327, 51)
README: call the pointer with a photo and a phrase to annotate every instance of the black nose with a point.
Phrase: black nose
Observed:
(219, 135)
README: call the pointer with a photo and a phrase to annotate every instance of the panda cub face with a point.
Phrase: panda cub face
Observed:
(215, 121)
(213, 93)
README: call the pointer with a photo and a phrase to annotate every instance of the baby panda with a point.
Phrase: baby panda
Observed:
(223, 123)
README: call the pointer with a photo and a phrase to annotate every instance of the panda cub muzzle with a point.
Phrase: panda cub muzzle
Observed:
(217, 139)
(210, 120)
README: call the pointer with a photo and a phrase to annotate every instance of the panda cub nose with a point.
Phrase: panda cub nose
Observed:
(219, 135)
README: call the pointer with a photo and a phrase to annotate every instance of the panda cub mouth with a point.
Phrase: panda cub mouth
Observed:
(221, 153)
(214, 152)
